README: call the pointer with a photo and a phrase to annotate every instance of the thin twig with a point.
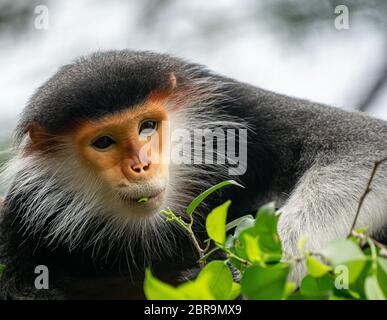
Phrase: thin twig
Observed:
(232, 255)
(302, 258)
(187, 227)
(205, 256)
(364, 238)
(364, 195)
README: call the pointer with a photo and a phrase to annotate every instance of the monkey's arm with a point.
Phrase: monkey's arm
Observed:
(324, 203)
(320, 158)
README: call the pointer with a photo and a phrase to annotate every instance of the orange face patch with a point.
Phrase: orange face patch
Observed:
(132, 153)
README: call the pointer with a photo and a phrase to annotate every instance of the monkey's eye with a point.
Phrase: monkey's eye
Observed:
(103, 143)
(147, 128)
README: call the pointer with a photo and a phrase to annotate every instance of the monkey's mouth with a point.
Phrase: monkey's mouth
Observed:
(143, 199)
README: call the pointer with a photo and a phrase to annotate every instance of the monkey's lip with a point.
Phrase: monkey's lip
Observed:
(149, 197)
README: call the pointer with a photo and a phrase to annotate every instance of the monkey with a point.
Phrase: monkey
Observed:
(85, 185)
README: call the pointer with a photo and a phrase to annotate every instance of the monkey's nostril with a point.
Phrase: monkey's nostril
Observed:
(140, 168)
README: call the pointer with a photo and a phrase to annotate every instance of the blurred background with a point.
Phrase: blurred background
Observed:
(289, 46)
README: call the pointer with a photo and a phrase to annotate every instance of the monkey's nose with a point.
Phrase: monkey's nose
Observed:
(140, 167)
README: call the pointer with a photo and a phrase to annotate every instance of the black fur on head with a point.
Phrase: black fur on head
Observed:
(98, 85)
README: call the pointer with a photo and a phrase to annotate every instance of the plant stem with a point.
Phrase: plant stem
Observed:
(364, 195)
(366, 238)
(205, 256)
(302, 258)
(374, 255)
(232, 255)
(188, 228)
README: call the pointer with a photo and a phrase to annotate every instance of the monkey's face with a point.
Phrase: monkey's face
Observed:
(125, 151)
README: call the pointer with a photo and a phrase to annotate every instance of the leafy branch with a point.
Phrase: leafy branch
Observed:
(254, 249)
(187, 226)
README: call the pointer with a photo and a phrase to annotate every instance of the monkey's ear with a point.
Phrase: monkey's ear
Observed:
(36, 133)
(172, 82)
(164, 93)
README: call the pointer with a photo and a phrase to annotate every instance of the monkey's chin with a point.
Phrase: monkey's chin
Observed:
(145, 206)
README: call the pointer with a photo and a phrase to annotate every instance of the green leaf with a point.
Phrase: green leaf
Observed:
(346, 252)
(355, 289)
(259, 242)
(266, 230)
(194, 290)
(234, 292)
(354, 294)
(268, 208)
(229, 243)
(290, 287)
(217, 277)
(342, 250)
(265, 283)
(200, 198)
(240, 243)
(316, 288)
(316, 268)
(215, 281)
(301, 242)
(361, 230)
(346, 294)
(372, 289)
(382, 274)
(247, 219)
(336, 298)
(155, 289)
(238, 264)
(247, 246)
(253, 252)
(296, 296)
(216, 223)
(246, 223)
(240, 225)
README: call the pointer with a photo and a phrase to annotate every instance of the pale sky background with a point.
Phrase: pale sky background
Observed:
(330, 66)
